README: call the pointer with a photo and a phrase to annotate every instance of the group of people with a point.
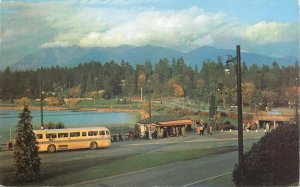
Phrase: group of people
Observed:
(119, 137)
(201, 126)
(254, 126)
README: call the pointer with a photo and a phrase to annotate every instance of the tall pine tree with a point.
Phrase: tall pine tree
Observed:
(26, 155)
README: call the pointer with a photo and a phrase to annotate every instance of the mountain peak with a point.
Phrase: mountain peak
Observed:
(72, 56)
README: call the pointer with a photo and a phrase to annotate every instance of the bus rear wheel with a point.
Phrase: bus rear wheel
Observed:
(51, 148)
(93, 145)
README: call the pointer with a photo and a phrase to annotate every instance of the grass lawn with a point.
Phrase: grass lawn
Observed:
(108, 104)
(87, 104)
(129, 164)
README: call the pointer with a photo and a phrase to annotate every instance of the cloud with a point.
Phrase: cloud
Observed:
(270, 32)
(108, 23)
(56, 44)
(184, 29)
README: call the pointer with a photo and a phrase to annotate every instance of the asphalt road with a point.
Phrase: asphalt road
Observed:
(215, 167)
(213, 171)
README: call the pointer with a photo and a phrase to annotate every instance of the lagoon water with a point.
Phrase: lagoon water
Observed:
(9, 119)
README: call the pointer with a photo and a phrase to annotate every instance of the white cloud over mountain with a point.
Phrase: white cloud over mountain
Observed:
(270, 32)
(109, 23)
(183, 30)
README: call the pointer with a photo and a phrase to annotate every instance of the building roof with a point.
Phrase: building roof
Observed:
(156, 119)
(175, 122)
(274, 117)
(69, 129)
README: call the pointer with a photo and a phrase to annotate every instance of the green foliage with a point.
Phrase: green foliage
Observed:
(124, 80)
(26, 156)
(212, 105)
(180, 112)
(54, 125)
(225, 126)
(274, 160)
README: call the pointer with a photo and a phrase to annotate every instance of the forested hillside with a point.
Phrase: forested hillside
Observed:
(164, 79)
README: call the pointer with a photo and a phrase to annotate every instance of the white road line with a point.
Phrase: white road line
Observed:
(207, 179)
(187, 141)
(154, 143)
(211, 140)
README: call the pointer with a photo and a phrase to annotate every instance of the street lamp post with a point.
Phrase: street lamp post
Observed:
(41, 99)
(149, 96)
(237, 60)
(297, 103)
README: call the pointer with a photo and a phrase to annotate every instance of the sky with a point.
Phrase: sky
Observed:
(268, 27)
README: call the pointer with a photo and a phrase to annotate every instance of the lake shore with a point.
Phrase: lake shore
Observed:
(9, 121)
(143, 114)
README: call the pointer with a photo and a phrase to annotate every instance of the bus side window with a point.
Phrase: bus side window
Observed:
(101, 132)
(83, 134)
(39, 136)
(74, 134)
(52, 135)
(107, 132)
(93, 133)
(63, 135)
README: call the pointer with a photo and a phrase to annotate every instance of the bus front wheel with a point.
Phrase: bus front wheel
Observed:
(93, 145)
(51, 148)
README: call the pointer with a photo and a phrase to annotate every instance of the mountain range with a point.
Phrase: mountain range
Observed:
(72, 56)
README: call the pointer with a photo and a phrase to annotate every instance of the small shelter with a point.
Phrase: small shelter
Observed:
(162, 126)
(173, 128)
(272, 118)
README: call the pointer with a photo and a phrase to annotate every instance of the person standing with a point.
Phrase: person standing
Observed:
(201, 130)
(209, 130)
(268, 126)
(198, 126)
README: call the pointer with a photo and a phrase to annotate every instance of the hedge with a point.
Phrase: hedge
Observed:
(273, 161)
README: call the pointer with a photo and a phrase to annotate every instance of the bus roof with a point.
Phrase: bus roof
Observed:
(70, 129)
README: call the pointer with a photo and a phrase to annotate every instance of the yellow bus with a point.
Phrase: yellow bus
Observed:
(53, 140)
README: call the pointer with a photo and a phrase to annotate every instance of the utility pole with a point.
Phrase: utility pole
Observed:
(297, 102)
(141, 95)
(41, 99)
(149, 133)
(237, 60)
(149, 96)
(240, 109)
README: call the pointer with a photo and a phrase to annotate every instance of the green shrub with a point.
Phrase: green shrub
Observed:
(54, 125)
(274, 160)
(225, 126)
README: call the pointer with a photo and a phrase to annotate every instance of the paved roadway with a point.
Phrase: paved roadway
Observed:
(202, 171)
(213, 171)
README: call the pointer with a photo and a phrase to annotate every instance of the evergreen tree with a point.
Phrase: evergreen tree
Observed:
(212, 106)
(26, 155)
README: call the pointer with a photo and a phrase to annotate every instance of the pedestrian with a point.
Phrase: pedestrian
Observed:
(198, 126)
(209, 130)
(201, 130)
(248, 126)
(120, 137)
(155, 134)
(202, 127)
(268, 126)
(129, 135)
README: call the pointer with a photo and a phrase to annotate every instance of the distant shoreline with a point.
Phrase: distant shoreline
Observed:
(48, 108)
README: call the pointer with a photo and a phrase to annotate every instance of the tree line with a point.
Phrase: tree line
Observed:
(162, 79)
